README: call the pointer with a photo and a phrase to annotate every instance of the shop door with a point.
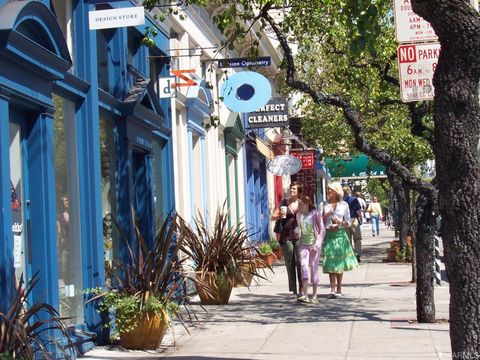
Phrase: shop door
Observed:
(142, 194)
(22, 255)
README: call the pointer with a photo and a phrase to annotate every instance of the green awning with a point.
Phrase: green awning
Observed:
(355, 167)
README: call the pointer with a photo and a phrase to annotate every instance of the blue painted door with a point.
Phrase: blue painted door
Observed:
(142, 194)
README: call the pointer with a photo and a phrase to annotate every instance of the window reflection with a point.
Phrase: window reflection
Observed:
(110, 233)
(69, 250)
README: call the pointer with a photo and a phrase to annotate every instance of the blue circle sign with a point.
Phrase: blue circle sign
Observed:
(246, 91)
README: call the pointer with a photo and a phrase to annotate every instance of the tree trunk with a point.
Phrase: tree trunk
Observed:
(402, 206)
(457, 129)
(424, 243)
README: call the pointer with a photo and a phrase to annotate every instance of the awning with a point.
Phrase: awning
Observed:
(355, 167)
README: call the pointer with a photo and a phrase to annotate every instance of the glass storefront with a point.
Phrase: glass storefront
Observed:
(17, 202)
(69, 248)
(107, 153)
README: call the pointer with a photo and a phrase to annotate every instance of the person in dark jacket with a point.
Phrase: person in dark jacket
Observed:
(287, 210)
(354, 232)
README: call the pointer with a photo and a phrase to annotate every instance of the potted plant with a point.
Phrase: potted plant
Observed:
(24, 329)
(219, 254)
(147, 288)
(276, 248)
(266, 254)
(393, 250)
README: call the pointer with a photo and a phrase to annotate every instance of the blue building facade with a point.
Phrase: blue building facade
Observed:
(84, 139)
(256, 191)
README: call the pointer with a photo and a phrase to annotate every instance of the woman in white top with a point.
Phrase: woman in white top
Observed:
(338, 255)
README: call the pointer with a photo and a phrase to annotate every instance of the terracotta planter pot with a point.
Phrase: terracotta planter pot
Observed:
(148, 333)
(268, 259)
(391, 255)
(278, 253)
(221, 288)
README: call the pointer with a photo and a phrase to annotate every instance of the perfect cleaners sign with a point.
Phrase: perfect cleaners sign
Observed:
(274, 114)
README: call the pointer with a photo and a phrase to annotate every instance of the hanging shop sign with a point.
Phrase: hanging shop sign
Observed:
(273, 114)
(246, 91)
(417, 64)
(264, 149)
(180, 75)
(115, 18)
(283, 165)
(307, 159)
(244, 62)
(167, 87)
(409, 27)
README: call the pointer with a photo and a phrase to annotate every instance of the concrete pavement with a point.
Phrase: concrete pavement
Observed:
(374, 320)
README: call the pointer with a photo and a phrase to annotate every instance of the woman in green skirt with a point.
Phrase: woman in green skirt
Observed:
(338, 255)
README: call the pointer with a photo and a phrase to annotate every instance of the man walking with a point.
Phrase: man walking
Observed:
(354, 232)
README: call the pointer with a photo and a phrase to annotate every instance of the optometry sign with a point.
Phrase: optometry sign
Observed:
(244, 62)
(283, 165)
(246, 91)
(115, 18)
(273, 114)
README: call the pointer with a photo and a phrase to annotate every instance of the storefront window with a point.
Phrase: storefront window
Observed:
(103, 58)
(197, 165)
(107, 148)
(16, 190)
(68, 228)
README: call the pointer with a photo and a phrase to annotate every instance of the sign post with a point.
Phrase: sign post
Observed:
(417, 64)
(409, 27)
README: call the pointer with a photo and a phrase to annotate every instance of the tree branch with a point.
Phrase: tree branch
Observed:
(350, 113)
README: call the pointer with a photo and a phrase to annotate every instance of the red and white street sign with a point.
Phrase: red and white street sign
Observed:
(417, 64)
(409, 27)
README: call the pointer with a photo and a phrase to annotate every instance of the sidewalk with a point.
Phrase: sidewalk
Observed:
(374, 320)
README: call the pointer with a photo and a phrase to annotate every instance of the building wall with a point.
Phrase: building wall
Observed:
(53, 116)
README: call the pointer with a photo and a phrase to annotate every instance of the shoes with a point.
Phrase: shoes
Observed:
(332, 295)
(304, 299)
(338, 294)
(373, 235)
(314, 300)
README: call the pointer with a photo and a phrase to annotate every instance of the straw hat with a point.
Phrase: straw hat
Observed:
(337, 187)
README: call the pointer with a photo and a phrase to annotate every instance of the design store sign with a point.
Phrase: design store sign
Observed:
(273, 114)
(115, 18)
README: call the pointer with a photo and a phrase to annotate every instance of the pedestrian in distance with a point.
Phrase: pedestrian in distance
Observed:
(354, 232)
(310, 231)
(362, 202)
(338, 255)
(287, 211)
(375, 210)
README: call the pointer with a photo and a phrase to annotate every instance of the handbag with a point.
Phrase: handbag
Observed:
(278, 228)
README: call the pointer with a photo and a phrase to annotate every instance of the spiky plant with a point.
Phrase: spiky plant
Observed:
(152, 280)
(222, 249)
(26, 329)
